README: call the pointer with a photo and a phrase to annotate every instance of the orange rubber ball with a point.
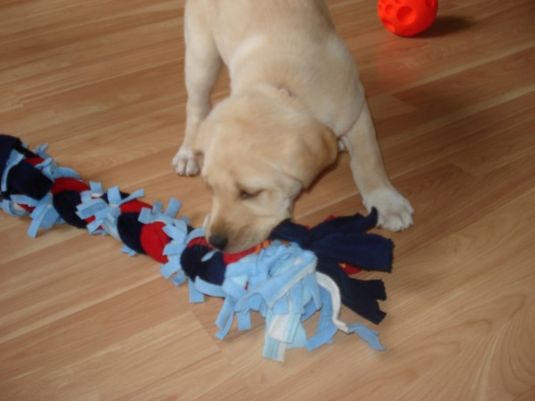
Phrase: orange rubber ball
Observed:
(407, 17)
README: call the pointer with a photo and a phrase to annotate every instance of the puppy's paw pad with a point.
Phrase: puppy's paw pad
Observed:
(395, 212)
(185, 162)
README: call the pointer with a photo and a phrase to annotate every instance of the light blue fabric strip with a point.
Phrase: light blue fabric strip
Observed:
(195, 296)
(244, 320)
(250, 302)
(297, 300)
(145, 216)
(157, 207)
(273, 349)
(174, 248)
(93, 227)
(312, 289)
(309, 310)
(51, 170)
(134, 195)
(114, 196)
(41, 151)
(195, 233)
(11, 208)
(300, 338)
(49, 167)
(208, 256)
(325, 328)
(272, 289)
(96, 188)
(24, 200)
(179, 278)
(156, 213)
(225, 318)
(173, 207)
(44, 216)
(235, 288)
(367, 334)
(208, 288)
(284, 327)
(89, 206)
(169, 268)
(128, 251)
(280, 306)
(177, 230)
(242, 268)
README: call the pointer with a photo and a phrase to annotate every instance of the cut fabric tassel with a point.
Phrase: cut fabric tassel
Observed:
(297, 273)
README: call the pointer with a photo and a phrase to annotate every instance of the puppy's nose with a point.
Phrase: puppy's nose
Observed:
(218, 241)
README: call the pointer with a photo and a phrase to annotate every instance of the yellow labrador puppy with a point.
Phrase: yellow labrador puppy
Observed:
(295, 98)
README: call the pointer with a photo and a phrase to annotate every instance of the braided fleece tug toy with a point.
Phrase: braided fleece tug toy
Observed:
(296, 273)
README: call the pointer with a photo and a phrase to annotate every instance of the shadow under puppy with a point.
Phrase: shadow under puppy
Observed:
(295, 100)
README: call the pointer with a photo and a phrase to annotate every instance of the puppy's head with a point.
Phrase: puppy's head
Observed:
(258, 153)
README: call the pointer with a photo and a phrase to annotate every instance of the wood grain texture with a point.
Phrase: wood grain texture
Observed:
(102, 83)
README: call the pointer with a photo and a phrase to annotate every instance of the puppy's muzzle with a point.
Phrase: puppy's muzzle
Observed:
(218, 241)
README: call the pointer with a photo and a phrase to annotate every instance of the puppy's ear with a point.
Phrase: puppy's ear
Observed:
(307, 151)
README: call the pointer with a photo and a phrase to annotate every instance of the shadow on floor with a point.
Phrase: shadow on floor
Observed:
(447, 25)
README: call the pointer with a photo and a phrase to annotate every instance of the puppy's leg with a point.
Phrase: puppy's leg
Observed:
(395, 212)
(202, 64)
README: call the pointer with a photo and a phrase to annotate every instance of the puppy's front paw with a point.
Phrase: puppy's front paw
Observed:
(395, 212)
(185, 162)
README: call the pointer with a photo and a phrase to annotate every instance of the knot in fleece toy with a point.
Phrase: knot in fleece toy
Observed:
(296, 273)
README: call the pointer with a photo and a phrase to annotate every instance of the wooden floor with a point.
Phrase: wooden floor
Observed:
(102, 83)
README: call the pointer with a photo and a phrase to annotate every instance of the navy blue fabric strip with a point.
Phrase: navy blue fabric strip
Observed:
(129, 229)
(342, 239)
(65, 203)
(361, 296)
(212, 270)
(23, 179)
(7, 144)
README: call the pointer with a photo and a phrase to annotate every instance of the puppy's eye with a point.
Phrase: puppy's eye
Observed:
(248, 195)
